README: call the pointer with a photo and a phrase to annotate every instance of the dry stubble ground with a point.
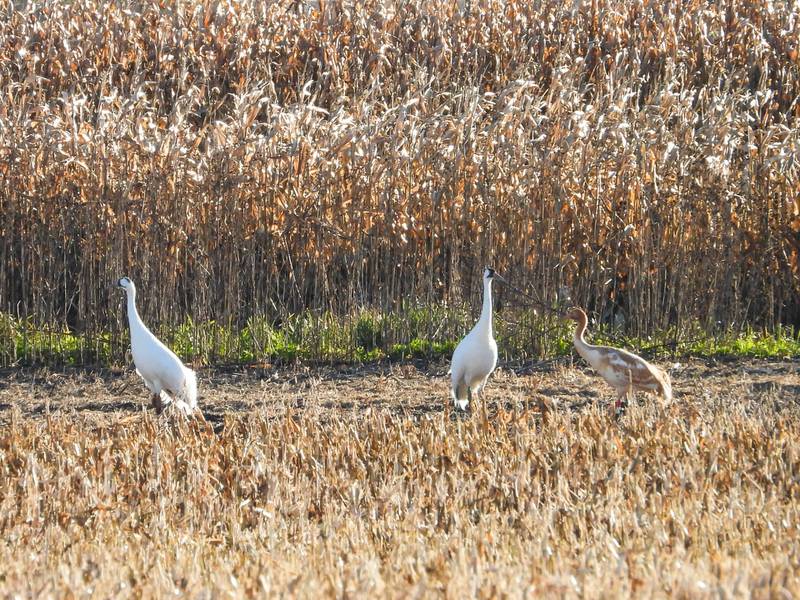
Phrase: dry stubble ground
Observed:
(352, 481)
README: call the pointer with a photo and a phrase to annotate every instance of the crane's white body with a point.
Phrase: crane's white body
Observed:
(159, 367)
(475, 357)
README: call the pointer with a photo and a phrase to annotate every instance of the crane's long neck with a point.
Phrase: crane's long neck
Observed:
(580, 342)
(134, 320)
(485, 322)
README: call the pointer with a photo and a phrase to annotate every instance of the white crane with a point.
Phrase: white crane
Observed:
(624, 371)
(475, 357)
(156, 364)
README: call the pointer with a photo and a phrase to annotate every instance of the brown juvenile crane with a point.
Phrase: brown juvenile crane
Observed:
(624, 371)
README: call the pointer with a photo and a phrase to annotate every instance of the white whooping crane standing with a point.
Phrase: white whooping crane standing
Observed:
(624, 371)
(475, 357)
(156, 364)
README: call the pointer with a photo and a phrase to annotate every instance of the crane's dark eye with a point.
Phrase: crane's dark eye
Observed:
(489, 272)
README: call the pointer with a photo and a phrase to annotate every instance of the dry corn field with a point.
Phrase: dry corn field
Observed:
(315, 483)
(323, 180)
(243, 159)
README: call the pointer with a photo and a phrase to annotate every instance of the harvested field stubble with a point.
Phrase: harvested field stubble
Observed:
(693, 499)
(249, 159)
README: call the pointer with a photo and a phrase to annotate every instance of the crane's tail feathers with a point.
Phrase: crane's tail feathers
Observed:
(460, 396)
(190, 388)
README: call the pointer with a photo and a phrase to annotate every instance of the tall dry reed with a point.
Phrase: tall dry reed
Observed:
(244, 158)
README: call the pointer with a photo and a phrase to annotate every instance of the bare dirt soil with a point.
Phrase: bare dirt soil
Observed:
(407, 389)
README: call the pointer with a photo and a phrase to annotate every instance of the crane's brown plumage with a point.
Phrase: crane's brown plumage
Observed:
(624, 371)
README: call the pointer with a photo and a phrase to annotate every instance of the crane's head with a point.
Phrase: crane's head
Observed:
(126, 284)
(488, 273)
(575, 314)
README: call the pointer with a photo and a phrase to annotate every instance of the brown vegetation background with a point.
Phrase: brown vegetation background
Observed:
(241, 159)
